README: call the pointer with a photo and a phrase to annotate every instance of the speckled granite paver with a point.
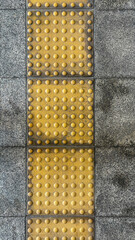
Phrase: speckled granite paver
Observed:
(114, 4)
(114, 181)
(114, 44)
(12, 181)
(12, 4)
(13, 112)
(114, 228)
(12, 228)
(115, 112)
(13, 50)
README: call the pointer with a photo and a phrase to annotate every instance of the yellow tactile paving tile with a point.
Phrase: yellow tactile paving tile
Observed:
(60, 4)
(60, 181)
(60, 112)
(60, 43)
(60, 229)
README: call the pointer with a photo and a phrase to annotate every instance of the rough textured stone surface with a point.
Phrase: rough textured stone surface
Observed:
(114, 43)
(12, 182)
(115, 4)
(12, 4)
(12, 43)
(12, 228)
(13, 112)
(115, 181)
(115, 112)
(115, 229)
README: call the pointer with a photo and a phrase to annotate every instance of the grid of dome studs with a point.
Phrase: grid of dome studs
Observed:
(60, 112)
(60, 43)
(60, 181)
(60, 229)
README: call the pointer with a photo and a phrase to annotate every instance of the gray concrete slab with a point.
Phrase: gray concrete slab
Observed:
(115, 4)
(115, 181)
(114, 43)
(12, 181)
(115, 112)
(12, 228)
(12, 4)
(13, 112)
(115, 228)
(12, 47)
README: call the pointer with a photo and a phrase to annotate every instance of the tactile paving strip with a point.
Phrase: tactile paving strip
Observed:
(60, 112)
(60, 181)
(60, 4)
(60, 43)
(60, 229)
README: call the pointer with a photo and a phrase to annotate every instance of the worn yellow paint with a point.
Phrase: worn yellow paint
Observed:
(60, 112)
(59, 3)
(60, 43)
(60, 181)
(60, 229)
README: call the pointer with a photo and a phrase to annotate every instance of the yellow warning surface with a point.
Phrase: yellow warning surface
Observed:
(60, 229)
(60, 112)
(60, 43)
(59, 3)
(60, 181)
